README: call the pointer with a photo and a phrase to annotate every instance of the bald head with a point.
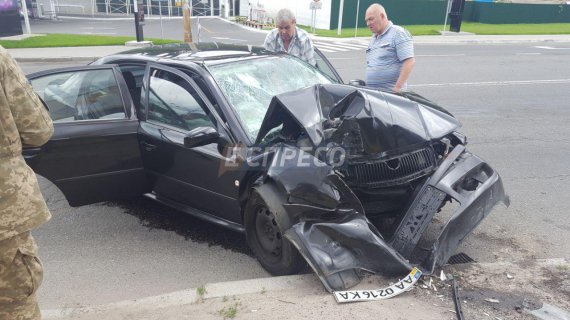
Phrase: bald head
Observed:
(376, 18)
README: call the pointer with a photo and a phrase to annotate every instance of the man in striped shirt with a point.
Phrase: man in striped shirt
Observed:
(290, 39)
(390, 54)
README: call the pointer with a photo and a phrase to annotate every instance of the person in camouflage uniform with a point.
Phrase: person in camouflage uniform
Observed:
(23, 121)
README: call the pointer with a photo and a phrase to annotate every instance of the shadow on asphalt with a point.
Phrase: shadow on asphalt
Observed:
(154, 215)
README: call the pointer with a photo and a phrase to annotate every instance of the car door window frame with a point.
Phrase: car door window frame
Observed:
(329, 65)
(211, 112)
(126, 100)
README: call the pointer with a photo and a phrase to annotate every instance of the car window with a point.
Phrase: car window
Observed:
(173, 101)
(249, 85)
(325, 67)
(81, 95)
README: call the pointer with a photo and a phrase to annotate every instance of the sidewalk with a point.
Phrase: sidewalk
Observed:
(537, 289)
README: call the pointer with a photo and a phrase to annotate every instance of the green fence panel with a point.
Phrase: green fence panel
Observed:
(401, 12)
(498, 13)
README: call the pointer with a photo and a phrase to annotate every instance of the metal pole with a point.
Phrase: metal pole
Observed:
(160, 11)
(26, 19)
(446, 14)
(357, 13)
(340, 17)
(212, 8)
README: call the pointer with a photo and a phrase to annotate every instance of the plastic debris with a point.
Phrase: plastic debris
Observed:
(442, 276)
(509, 276)
(492, 300)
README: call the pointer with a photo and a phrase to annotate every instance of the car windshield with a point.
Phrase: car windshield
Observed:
(249, 85)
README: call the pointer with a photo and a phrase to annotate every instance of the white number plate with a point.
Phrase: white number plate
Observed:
(379, 294)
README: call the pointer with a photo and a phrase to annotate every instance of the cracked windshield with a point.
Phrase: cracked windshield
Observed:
(250, 85)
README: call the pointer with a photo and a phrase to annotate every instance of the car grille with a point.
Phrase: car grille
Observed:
(393, 171)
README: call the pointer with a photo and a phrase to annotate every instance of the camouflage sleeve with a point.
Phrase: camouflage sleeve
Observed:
(31, 117)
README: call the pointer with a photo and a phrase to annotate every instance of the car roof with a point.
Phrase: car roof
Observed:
(207, 53)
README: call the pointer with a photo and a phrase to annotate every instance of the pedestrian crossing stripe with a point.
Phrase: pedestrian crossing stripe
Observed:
(339, 46)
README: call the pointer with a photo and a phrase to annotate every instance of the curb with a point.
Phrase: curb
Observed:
(189, 296)
(304, 282)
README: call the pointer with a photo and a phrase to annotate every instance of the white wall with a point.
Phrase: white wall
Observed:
(301, 10)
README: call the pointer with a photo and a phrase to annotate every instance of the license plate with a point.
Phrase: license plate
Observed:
(379, 294)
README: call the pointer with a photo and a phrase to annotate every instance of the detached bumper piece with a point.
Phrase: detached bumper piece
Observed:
(466, 179)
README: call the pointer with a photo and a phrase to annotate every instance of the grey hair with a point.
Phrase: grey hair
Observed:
(285, 15)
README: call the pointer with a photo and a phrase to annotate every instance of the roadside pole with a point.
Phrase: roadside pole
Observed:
(138, 26)
(26, 18)
(340, 17)
(357, 12)
(447, 10)
(187, 29)
(160, 12)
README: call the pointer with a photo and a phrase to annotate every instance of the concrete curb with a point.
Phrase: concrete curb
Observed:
(189, 296)
(307, 283)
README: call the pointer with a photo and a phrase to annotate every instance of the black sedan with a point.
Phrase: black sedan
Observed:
(342, 177)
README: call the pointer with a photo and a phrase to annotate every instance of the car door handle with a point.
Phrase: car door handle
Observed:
(148, 146)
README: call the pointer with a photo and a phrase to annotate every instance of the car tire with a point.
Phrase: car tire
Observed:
(265, 232)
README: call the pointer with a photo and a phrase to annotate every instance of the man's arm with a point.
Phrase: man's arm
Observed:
(405, 72)
(31, 117)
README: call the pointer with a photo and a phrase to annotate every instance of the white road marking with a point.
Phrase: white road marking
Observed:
(330, 48)
(551, 48)
(98, 28)
(333, 46)
(326, 50)
(350, 44)
(441, 55)
(492, 83)
(527, 53)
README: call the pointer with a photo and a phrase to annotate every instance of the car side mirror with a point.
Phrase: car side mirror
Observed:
(357, 83)
(201, 136)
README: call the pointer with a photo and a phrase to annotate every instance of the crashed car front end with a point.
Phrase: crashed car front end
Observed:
(366, 210)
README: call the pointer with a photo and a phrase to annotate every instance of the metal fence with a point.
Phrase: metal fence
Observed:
(169, 8)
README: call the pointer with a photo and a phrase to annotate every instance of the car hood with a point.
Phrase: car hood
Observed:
(386, 122)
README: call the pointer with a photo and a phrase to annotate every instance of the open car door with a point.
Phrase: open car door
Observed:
(326, 67)
(94, 154)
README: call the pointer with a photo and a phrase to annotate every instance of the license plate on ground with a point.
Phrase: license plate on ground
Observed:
(379, 294)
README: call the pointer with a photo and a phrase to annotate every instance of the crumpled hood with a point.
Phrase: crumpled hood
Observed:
(386, 121)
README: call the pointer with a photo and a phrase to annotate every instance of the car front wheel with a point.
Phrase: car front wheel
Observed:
(265, 229)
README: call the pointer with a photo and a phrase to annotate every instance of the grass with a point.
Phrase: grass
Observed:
(201, 291)
(230, 312)
(72, 40)
(473, 27)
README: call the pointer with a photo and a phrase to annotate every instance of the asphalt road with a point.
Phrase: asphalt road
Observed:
(512, 99)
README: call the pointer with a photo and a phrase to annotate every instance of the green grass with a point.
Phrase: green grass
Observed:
(72, 40)
(473, 27)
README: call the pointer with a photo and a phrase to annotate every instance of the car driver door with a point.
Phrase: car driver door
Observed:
(93, 155)
(193, 175)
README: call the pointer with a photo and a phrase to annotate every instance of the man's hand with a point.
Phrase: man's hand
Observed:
(405, 72)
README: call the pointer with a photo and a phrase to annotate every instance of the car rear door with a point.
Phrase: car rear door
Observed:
(93, 155)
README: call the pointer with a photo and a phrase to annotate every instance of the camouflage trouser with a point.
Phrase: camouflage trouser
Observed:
(20, 276)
